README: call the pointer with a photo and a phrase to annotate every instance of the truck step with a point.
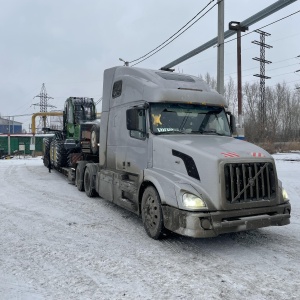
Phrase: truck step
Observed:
(127, 204)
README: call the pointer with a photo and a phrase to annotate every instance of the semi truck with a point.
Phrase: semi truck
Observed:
(167, 153)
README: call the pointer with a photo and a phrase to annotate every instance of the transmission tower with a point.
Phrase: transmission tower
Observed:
(43, 105)
(262, 75)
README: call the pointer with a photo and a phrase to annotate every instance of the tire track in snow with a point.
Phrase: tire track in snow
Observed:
(105, 254)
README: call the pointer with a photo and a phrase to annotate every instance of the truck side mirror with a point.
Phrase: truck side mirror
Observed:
(232, 124)
(132, 119)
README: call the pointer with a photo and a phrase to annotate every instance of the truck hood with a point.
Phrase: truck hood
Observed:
(196, 162)
(210, 147)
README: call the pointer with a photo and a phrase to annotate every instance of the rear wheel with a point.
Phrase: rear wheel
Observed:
(89, 180)
(152, 213)
(79, 178)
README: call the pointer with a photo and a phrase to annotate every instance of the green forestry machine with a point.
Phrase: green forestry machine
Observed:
(79, 138)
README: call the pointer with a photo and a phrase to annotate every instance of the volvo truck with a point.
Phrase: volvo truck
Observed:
(167, 153)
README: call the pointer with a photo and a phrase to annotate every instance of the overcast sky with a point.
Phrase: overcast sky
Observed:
(67, 44)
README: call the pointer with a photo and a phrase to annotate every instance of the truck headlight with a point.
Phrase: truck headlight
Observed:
(193, 202)
(285, 195)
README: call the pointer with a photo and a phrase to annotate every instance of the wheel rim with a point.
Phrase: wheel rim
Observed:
(151, 213)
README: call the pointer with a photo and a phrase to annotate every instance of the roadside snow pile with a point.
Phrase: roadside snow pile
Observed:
(292, 156)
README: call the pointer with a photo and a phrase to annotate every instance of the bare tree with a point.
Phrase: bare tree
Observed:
(282, 123)
(210, 80)
(251, 111)
(230, 94)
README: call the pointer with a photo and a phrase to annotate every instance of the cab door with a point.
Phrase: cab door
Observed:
(137, 146)
(132, 159)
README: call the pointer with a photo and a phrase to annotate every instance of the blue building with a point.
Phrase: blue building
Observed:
(10, 126)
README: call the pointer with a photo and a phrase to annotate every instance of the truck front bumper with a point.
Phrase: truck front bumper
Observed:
(211, 224)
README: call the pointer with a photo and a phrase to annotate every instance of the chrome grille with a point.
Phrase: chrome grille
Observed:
(245, 182)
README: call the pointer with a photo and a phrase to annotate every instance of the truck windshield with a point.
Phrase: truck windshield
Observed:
(174, 118)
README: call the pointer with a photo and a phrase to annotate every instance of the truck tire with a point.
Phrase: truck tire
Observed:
(89, 180)
(52, 153)
(152, 215)
(46, 150)
(61, 154)
(79, 179)
(95, 139)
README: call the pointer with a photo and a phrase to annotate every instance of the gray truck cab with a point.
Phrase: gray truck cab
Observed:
(167, 153)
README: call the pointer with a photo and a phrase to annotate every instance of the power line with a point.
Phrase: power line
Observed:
(276, 62)
(256, 68)
(174, 36)
(65, 97)
(283, 74)
(285, 82)
(25, 115)
(272, 75)
(243, 50)
(263, 26)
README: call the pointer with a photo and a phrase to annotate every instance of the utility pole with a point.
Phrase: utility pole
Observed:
(43, 104)
(233, 25)
(220, 64)
(262, 75)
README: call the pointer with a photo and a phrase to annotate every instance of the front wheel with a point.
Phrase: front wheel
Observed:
(152, 215)
(46, 148)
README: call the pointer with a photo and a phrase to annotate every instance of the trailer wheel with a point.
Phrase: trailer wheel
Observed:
(89, 180)
(152, 213)
(79, 177)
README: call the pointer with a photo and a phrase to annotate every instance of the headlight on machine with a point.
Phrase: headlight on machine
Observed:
(193, 202)
(285, 195)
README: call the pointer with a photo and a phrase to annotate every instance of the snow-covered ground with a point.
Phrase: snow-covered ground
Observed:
(56, 243)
